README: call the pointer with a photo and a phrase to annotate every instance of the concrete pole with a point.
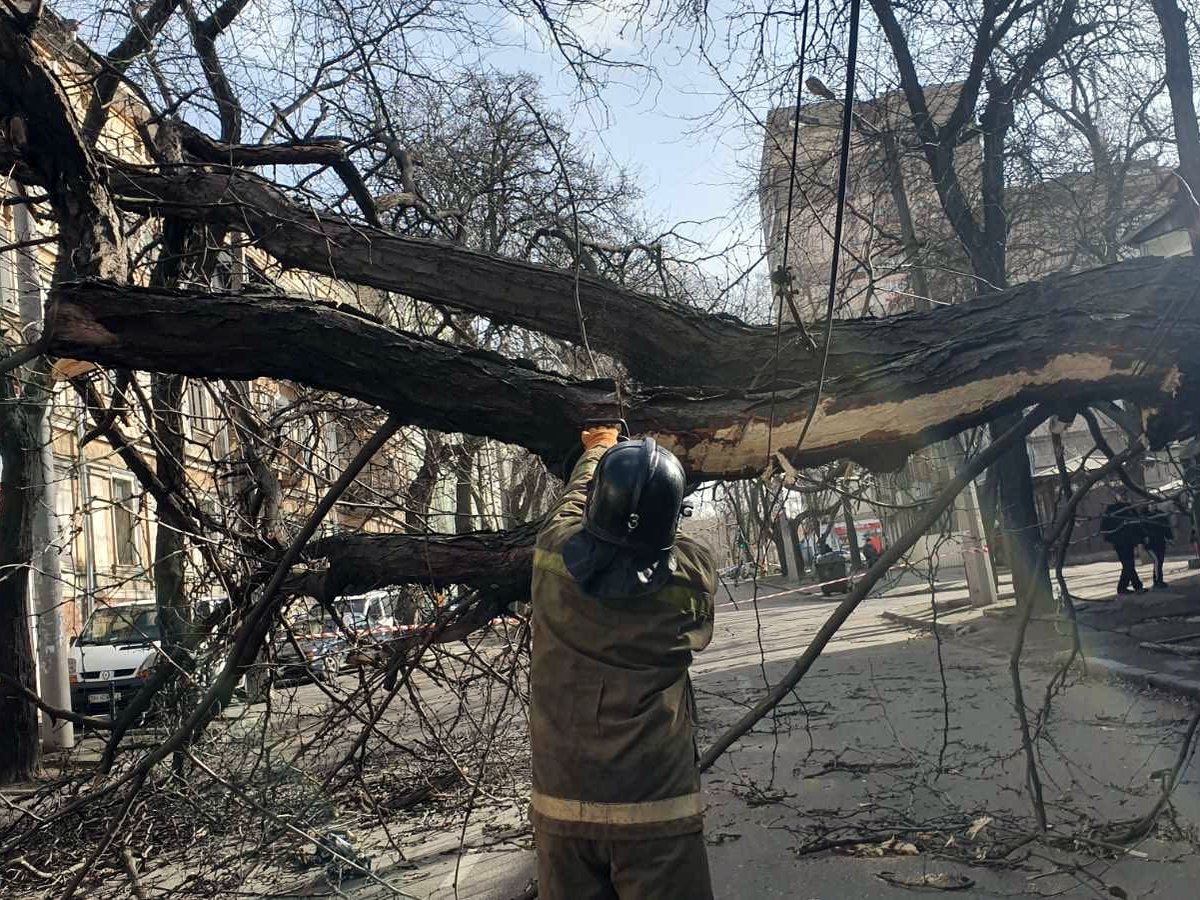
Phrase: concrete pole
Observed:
(981, 582)
(52, 642)
(789, 547)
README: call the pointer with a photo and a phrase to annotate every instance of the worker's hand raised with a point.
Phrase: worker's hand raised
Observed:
(599, 436)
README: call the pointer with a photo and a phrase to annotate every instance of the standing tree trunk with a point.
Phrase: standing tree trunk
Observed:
(1180, 85)
(90, 245)
(20, 421)
(166, 392)
(419, 494)
(983, 231)
(464, 465)
(793, 537)
(851, 533)
(908, 232)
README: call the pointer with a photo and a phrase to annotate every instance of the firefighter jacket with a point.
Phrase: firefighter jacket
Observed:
(612, 715)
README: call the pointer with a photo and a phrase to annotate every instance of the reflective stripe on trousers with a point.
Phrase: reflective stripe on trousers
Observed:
(644, 813)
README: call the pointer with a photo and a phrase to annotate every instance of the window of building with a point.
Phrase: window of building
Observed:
(124, 519)
(8, 283)
(199, 409)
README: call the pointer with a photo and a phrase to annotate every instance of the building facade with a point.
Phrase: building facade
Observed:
(899, 254)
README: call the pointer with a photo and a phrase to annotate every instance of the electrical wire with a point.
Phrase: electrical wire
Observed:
(787, 230)
(839, 221)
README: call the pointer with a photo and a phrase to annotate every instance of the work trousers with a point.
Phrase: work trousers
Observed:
(1159, 552)
(669, 868)
(1129, 576)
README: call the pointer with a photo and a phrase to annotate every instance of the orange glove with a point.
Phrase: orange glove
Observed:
(599, 436)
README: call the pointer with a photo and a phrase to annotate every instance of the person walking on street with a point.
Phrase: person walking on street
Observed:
(1122, 527)
(620, 604)
(1157, 527)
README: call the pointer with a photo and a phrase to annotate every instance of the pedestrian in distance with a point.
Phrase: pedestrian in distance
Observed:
(620, 604)
(1122, 527)
(1156, 524)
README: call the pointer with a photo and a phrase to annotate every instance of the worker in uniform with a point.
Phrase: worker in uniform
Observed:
(620, 604)
(1121, 526)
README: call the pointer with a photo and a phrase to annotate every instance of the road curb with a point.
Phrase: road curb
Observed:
(1172, 684)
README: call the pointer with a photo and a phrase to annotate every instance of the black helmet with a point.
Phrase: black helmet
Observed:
(636, 497)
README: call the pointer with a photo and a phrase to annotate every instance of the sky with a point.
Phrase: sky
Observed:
(658, 126)
(696, 174)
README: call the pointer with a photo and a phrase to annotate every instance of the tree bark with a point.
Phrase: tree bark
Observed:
(19, 456)
(1067, 340)
(851, 533)
(484, 560)
(464, 465)
(1181, 87)
(419, 494)
(166, 392)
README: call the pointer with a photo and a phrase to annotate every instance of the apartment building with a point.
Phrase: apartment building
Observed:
(899, 253)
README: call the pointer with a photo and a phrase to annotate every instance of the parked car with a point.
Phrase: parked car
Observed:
(112, 656)
(832, 571)
(315, 649)
(321, 646)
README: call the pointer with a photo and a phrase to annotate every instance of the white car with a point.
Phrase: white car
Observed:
(111, 658)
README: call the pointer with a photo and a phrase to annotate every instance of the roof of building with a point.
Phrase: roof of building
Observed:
(1178, 215)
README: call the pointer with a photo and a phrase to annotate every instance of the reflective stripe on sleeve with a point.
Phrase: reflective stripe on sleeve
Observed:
(644, 813)
(550, 562)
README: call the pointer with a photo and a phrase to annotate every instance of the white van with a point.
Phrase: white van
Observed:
(375, 613)
(112, 656)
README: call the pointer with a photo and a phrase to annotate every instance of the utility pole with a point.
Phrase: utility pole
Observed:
(784, 526)
(981, 582)
(53, 647)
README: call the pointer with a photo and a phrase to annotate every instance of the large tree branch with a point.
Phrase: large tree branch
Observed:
(33, 96)
(1130, 330)
(630, 326)
(330, 152)
(204, 40)
(484, 560)
(938, 144)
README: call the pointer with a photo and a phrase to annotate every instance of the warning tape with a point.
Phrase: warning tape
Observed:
(392, 630)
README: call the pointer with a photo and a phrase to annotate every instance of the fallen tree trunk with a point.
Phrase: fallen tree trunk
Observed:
(660, 341)
(484, 560)
(1123, 331)
(622, 323)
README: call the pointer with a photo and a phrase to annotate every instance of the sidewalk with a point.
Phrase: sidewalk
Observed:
(1150, 640)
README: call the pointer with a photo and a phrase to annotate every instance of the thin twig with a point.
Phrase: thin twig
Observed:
(54, 712)
(893, 552)
(1065, 515)
(288, 826)
(73, 884)
(1141, 827)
